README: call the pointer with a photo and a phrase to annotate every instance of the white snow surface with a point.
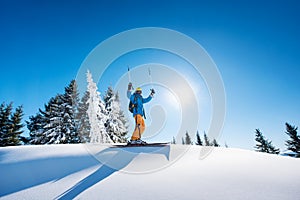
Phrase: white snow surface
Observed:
(77, 172)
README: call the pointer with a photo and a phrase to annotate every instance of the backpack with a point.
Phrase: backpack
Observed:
(132, 105)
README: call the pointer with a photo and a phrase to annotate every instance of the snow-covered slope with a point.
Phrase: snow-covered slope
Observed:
(77, 171)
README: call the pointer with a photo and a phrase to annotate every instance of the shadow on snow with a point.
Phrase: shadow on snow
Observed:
(23, 175)
(115, 160)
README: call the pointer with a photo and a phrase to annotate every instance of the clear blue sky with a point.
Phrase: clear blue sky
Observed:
(255, 45)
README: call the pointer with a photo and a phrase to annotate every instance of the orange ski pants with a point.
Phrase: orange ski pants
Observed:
(139, 127)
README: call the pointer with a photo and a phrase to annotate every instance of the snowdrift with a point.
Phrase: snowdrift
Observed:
(102, 172)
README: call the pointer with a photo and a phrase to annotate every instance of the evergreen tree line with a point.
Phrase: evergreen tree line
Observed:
(293, 143)
(262, 144)
(186, 140)
(68, 119)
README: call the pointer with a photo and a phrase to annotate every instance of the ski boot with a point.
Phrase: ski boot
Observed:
(136, 142)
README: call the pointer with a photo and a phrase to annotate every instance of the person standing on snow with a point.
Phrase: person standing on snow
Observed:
(137, 107)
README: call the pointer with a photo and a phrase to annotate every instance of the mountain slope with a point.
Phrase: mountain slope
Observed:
(76, 171)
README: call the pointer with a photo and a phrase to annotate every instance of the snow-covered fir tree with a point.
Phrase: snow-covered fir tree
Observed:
(57, 123)
(83, 118)
(70, 105)
(35, 126)
(109, 94)
(16, 126)
(39, 124)
(5, 112)
(54, 131)
(116, 124)
(97, 114)
(10, 125)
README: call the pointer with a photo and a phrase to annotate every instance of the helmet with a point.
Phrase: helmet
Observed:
(138, 89)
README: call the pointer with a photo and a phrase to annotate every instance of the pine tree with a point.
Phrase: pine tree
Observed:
(293, 143)
(116, 123)
(109, 94)
(226, 145)
(35, 125)
(69, 108)
(39, 124)
(263, 145)
(57, 123)
(272, 149)
(55, 131)
(96, 113)
(199, 141)
(206, 140)
(47, 127)
(215, 143)
(83, 118)
(5, 112)
(188, 140)
(10, 125)
(173, 140)
(182, 141)
(16, 126)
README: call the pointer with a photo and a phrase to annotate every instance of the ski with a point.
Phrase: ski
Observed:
(143, 145)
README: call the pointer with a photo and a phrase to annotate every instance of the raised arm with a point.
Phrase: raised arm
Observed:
(146, 100)
(129, 90)
(128, 94)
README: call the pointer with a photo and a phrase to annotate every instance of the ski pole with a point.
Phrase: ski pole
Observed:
(129, 77)
(151, 82)
(149, 71)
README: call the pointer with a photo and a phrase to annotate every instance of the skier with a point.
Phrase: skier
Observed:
(137, 107)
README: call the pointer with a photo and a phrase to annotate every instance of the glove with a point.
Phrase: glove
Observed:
(129, 86)
(152, 92)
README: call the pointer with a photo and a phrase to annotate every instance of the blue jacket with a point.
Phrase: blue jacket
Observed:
(139, 101)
